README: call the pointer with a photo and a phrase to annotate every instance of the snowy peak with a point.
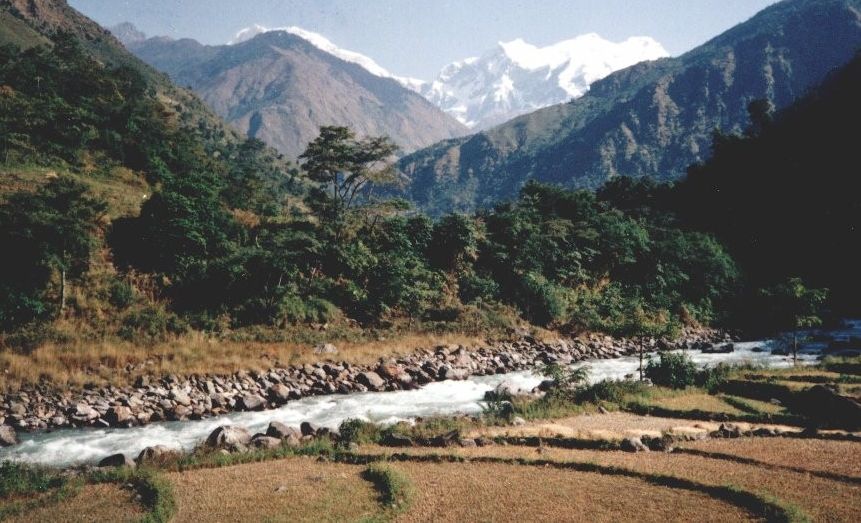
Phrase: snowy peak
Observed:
(324, 44)
(518, 77)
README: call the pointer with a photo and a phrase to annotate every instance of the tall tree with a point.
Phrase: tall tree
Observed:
(343, 166)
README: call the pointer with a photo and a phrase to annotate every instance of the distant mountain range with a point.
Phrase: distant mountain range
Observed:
(516, 77)
(281, 86)
(652, 119)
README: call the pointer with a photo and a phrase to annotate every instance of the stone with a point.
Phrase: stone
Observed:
(119, 415)
(483, 441)
(156, 453)
(180, 397)
(228, 436)
(398, 440)
(279, 393)
(251, 402)
(309, 429)
(372, 380)
(517, 421)
(633, 445)
(8, 437)
(726, 348)
(447, 372)
(261, 441)
(117, 460)
(180, 412)
(84, 412)
(602, 410)
(279, 430)
(468, 443)
(325, 348)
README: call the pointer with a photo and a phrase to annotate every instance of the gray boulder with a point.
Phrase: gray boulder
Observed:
(325, 348)
(262, 441)
(279, 393)
(229, 436)
(119, 415)
(309, 429)
(155, 454)
(633, 445)
(8, 436)
(252, 402)
(279, 430)
(372, 380)
(117, 460)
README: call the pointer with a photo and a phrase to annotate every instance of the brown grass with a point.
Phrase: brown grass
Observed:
(823, 499)
(838, 457)
(312, 491)
(78, 363)
(696, 401)
(105, 502)
(500, 492)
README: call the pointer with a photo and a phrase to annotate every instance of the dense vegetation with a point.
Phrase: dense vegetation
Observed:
(223, 242)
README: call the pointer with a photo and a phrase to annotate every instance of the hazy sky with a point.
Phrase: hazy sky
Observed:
(417, 37)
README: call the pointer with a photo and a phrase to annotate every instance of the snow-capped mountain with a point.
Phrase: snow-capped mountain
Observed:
(517, 77)
(324, 44)
(514, 78)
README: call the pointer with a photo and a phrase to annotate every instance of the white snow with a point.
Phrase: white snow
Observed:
(519, 77)
(324, 44)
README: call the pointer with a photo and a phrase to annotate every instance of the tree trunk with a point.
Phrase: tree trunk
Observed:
(794, 349)
(62, 290)
(641, 362)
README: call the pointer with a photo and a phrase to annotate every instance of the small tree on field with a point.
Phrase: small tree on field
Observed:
(794, 306)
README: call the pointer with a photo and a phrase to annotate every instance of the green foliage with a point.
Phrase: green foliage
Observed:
(359, 431)
(18, 479)
(52, 234)
(611, 391)
(672, 369)
(150, 325)
(394, 487)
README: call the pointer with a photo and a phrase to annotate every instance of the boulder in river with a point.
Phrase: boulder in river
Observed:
(711, 348)
(8, 436)
(118, 415)
(279, 393)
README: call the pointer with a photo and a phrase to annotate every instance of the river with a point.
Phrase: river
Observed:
(76, 446)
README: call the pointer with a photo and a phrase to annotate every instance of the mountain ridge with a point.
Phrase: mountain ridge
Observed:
(651, 119)
(281, 88)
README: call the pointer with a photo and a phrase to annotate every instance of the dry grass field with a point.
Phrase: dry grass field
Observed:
(458, 492)
(107, 502)
(294, 489)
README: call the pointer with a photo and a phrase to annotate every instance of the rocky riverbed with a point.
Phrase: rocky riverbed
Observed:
(174, 398)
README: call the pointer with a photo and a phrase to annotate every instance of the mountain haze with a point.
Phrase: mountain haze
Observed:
(280, 87)
(651, 119)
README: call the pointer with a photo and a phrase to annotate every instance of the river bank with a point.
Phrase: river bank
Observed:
(176, 398)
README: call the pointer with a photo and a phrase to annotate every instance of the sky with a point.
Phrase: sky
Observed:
(418, 37)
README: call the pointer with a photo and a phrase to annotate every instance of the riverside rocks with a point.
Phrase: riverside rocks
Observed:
(44, 406)
(7, 436)
(228, 436)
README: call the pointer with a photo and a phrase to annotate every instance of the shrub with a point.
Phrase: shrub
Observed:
(611, 391)
(150, 325)
(21, 479)
(674, 370)
(394, 488)
(120, 294)
(359, 431)
(712, 378)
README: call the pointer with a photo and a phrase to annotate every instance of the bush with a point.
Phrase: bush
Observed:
(19, 479)
(673, 369)
(151, 325)
(120, 294)
(359, 431)
(31, 336)
(712, 378)
(394, 488)
(611, 391)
